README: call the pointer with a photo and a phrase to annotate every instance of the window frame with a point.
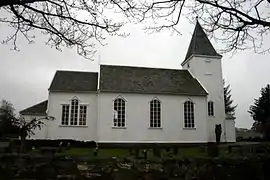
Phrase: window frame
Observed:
(74, 112)
(84, 113)
(78, 113)
(116, 122)
(192, 121)
(159, 110)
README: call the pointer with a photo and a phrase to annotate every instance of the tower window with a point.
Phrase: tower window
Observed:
(210, 108)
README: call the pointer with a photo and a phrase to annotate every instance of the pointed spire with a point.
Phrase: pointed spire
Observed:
(200, 44)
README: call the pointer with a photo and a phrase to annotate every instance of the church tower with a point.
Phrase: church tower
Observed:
(204, 63)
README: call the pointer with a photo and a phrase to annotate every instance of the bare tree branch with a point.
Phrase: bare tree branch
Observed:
(239, 24)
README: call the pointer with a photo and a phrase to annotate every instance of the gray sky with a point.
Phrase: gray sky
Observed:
(26, 75)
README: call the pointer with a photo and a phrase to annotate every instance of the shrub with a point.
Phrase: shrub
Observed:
(175, 150)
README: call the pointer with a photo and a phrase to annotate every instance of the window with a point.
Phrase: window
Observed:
(155, 114)
(210, 108)
(74, 114)
(189, 114)
(119, 115)
(82, 119)
(65, 114)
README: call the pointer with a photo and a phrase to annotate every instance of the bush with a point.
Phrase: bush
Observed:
(240, 138)
(175, 150)
(55, 143)
(156, 152)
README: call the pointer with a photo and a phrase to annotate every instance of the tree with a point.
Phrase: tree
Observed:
(260, 112)
(28, 127)
(229, 107)
(7, 111)
(11, 123)
(74, 23)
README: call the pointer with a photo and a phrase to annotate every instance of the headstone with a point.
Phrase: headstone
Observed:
(145, 154)
(95, 151)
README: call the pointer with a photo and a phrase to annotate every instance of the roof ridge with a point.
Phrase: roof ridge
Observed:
(143, 67)
(75, 71)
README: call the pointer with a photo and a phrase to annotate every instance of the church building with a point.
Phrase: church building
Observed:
(127, 104)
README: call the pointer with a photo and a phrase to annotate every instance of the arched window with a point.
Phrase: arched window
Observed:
(155, 114)
(119, 116)
(210, 108)
(189, 114)
(74, 111)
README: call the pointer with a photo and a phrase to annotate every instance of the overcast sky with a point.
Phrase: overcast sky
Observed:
(26, 75)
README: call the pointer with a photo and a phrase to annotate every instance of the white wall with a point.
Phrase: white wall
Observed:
(137, 119)
(84, 133)
(230, 131)
(208, 71)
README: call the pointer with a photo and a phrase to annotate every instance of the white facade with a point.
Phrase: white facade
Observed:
(54, 129)
(138, 129)
(208, 71)
(99, 126)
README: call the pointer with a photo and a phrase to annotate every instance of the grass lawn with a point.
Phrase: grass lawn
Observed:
(122, 152)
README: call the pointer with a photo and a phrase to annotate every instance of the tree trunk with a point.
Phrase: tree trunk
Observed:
(23, 140)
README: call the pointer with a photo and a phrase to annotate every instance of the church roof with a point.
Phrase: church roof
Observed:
(74, 81)
(148, 80)
(39, 109)
(200, 44)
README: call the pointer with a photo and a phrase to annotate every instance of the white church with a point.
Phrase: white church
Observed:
(127, 104)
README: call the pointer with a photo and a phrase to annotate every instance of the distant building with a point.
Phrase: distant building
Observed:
(243, 133)
(126, 104)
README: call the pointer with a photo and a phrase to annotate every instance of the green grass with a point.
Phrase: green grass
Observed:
(122, 152)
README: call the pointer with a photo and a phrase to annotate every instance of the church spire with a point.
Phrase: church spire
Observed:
(200, 44)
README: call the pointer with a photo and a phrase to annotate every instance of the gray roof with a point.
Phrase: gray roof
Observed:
(39, 109)
(148, 80)
(74, 81)
(200, 44)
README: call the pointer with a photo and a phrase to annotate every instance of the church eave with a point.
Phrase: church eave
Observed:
(199, 55)
(166, 93)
